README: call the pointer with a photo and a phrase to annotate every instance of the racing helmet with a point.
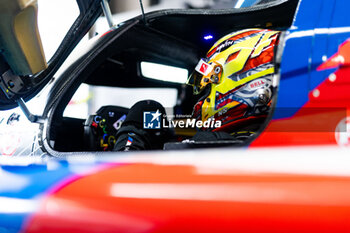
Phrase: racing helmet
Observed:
(235, 80)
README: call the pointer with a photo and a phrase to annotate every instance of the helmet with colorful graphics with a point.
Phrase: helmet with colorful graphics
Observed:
(235, 80)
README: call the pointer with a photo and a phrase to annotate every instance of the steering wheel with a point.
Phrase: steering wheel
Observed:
(100, 129)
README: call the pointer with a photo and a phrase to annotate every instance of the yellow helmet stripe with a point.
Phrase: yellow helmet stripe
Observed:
(229, 36)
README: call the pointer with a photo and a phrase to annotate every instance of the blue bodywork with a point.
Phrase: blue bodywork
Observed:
(319, 28)
(26, 184)
(23, 188)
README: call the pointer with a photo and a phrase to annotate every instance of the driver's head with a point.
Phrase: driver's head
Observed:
(235, 79)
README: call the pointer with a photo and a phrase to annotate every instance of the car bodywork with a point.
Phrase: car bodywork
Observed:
(273, 190)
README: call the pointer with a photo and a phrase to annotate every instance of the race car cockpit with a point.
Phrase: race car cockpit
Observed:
(235, 85)
(236, 80)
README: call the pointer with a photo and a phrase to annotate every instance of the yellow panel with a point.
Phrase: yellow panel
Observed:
(20, 40)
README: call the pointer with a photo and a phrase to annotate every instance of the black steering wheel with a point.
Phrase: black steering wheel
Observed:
(100, 129)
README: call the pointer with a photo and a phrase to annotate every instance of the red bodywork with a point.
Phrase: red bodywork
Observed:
(333, 93)
(183, 198)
